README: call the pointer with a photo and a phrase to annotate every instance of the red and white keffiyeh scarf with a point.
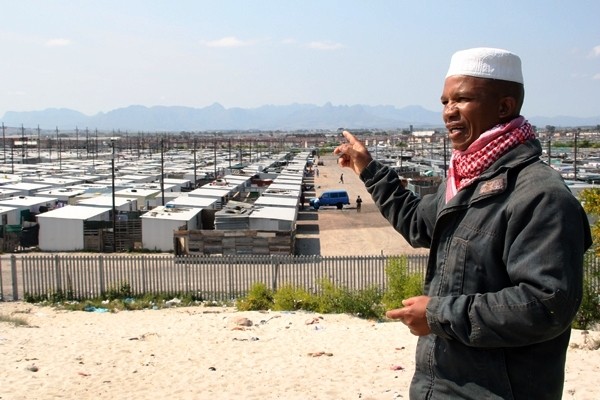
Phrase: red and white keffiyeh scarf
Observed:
(467, 165)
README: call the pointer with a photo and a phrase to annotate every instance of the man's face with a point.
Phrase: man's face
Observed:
(471, 107)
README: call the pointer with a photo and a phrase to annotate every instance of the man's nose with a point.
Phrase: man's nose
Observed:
(450, 110)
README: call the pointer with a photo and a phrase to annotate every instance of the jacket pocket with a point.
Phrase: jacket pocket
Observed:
(452, 273)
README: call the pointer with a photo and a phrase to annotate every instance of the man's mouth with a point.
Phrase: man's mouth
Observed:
(455, 130)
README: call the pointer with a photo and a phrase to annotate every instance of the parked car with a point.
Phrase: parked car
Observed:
(331, 198)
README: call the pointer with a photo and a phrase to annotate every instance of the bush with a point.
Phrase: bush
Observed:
(589, 311)
(120, 292)
(330, 299)
(259, 298)
(401, 283)
(365, 303)
(290, 298)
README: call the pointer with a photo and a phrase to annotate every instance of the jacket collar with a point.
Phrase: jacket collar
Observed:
(494, 180)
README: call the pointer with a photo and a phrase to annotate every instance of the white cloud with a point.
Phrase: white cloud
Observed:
(596, 77)
(325, 46)
(58, 42)
(230, 41)
(595, 52)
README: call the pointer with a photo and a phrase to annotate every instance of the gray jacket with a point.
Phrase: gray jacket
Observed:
(504, 276)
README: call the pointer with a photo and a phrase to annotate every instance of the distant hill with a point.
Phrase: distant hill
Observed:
(217, 117)
(269, 117)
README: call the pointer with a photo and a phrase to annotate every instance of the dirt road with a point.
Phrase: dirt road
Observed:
(333, 232)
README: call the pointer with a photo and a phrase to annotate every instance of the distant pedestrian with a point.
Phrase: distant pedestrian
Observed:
(342, 178)
(317, 171)
(358, 203)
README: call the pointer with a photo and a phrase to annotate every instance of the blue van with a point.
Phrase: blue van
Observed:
(331, 198)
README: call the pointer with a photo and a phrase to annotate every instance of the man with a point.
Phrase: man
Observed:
(506, 240)
(358, 203)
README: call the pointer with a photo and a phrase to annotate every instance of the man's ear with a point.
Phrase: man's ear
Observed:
(507, 108)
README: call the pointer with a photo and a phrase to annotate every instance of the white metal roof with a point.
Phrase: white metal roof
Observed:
(279, 201)
(193, 201)
(26, 201)
(105, 200)
(172, 213)
(74, 212)
(279, 213)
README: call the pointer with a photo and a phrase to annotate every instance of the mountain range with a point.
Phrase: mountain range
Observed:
(268, 117)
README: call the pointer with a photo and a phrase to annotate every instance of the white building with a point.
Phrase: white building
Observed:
(273, 201)
(33, 204)
(193, 201)
(62, 229)
(26, 188)
(159, 223)
(9, 216)
(63, 195)
(146, 198)
(273, 219)
(121, 203)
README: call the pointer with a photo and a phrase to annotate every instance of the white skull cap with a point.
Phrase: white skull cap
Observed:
(489, 63)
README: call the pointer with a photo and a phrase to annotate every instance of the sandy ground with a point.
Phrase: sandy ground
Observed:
(210, 353)
(218, 353)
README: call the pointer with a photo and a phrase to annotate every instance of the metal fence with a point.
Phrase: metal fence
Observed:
(207, 277)
(217, 278)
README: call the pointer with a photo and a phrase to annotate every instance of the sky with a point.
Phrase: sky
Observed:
(98, 55)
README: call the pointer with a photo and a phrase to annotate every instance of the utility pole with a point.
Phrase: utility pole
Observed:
(12, 156)
(22, 145)
(215, 157)
(162, 170)
(4, 142)
(229, 141)
(575, 154)
(39, 144)
(195, 178)
(114, 208)
(87, 143)
(95, 153)
(59, 151)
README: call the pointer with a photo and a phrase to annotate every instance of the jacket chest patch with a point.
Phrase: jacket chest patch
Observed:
(493, 186)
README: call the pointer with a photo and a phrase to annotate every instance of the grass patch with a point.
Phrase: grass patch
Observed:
(121, 297)
(16, 321)
(329, 298)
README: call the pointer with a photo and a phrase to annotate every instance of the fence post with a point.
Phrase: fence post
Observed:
(57, 274)
(101, 275)
(230, 275)
(275, 264)
(13, 273)
(188, 275)
(1, 283)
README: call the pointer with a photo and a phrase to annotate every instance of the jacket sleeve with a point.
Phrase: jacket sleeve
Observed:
(405, 211)
(546, 236)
